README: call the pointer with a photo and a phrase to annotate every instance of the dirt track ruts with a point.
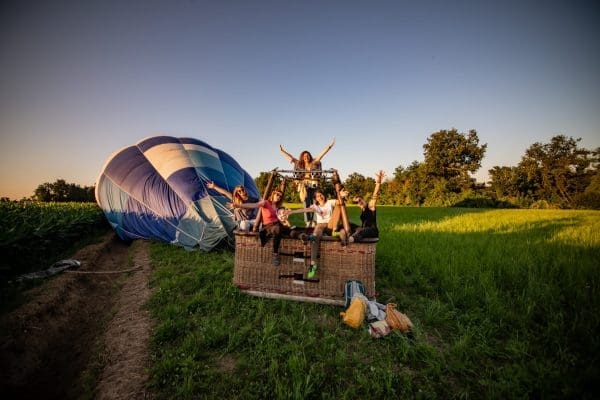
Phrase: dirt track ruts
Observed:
(75, 319)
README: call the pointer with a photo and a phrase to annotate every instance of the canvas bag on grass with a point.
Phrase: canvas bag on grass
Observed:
(355, 314)
(397, 320)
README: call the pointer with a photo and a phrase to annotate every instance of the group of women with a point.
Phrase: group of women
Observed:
(320, 214)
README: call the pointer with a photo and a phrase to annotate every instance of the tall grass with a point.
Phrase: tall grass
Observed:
(34, 234)
(505, 305)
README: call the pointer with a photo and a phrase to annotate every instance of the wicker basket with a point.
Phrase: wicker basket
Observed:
(255, 274)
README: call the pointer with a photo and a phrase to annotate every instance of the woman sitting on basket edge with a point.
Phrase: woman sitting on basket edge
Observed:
(271, 225)
(324, 210)
(368, 215)
(244, 218)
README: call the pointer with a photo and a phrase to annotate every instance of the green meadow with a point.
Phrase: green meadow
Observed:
(505, 304)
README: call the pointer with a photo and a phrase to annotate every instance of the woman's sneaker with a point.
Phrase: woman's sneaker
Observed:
(312, 271)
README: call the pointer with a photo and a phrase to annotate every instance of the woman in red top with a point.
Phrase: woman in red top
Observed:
(271, 226)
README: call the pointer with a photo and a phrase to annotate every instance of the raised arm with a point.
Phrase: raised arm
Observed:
(213, 186)
(258, 204)
(299, 211)
(286, 154)
(325, 150)
(379, 178)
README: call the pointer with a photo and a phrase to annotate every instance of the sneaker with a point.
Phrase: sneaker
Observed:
(312, 271)
(335, 233)
(276, 259)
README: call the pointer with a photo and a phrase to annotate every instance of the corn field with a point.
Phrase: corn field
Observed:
(34, 235)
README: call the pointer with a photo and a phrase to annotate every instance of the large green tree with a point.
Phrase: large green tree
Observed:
(503, 182)
(559, 172)
(444, 176)
(359, 185)
(410, 184)
(451, 156)
(559, 169)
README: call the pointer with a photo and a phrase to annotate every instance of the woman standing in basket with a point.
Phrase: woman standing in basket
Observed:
(309, 183)
(368, 215)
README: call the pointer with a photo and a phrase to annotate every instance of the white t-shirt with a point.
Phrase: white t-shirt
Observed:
(324, 212)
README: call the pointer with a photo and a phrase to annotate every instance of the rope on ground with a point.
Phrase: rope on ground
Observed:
(122, 271)
(56, 268)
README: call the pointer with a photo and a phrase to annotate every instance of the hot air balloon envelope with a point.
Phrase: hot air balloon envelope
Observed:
(156, 189)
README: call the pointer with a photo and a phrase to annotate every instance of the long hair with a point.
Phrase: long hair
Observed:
(239, 194)
(280, 202)
(301, 159)
(318, 192)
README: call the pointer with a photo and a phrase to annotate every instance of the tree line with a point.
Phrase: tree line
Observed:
(61, 191)
(557, 174)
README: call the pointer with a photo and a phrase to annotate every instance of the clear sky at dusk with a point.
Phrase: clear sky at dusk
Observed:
(82, 79)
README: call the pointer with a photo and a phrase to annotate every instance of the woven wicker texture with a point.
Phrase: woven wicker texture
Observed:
(254, 270)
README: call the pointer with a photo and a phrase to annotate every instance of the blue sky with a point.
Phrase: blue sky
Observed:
(80, 80)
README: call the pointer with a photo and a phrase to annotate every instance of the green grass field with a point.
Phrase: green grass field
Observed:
(505, 304)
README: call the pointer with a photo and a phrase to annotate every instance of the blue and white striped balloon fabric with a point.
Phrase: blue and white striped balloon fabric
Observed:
(156, 189)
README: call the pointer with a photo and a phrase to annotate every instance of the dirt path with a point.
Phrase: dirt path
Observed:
(76, 319)
(128, 336)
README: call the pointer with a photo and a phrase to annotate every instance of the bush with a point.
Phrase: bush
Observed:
(587, 200)
(480, 201)
(543, 205)
(476, 202)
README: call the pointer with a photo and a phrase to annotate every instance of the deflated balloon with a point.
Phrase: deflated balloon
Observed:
(156, 189)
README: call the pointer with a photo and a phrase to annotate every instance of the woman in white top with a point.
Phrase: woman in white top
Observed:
(323, 209)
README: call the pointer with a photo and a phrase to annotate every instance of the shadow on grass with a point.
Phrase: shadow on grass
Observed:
(522, 286)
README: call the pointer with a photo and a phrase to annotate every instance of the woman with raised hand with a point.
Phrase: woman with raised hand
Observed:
(309, 171)
(271, 225)
(368, 215)
(243, 217)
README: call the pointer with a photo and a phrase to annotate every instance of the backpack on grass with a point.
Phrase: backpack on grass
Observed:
(351, 289)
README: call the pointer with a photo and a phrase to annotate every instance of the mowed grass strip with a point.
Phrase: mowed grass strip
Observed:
(505, 305)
